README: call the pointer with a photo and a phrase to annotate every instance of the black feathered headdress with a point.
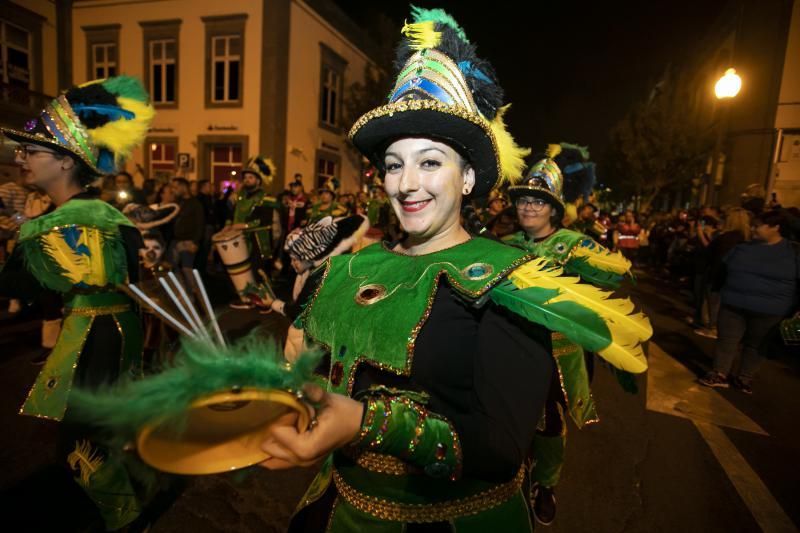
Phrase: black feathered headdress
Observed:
(444, 91)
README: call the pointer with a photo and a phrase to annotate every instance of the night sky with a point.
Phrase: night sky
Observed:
(571, 69)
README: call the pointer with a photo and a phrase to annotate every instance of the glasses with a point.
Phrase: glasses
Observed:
(535, 204)
(23, 151)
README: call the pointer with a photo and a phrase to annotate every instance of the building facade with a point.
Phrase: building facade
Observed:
(230, 80)
(32, 65)
(754, 38)
(785, 171)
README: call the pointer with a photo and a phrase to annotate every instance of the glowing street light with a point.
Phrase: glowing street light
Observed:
(728, 85)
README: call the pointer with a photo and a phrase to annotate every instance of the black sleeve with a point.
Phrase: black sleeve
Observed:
(512, 372)
(16, 281)
(292, 310)
(132, 239)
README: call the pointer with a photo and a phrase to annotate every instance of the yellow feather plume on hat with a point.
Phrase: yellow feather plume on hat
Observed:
(511, 155)
(422, 35)
(552, 150)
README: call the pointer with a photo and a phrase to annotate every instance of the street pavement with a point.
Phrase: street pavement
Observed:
(673, 457)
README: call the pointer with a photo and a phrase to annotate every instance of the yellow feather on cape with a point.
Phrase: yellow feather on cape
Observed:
(628, 328)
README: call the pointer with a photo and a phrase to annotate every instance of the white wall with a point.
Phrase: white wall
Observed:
(191, 118)
(303, 134)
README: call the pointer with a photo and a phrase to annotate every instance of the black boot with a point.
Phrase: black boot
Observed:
(543, 501)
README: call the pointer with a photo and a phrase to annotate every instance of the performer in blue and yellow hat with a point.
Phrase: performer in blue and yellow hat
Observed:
(83, 249)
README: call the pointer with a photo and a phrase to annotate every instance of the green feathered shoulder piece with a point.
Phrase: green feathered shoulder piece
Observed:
(579, 255)
(586, 315)
(91, 213)
(78, 245)
(200, 369)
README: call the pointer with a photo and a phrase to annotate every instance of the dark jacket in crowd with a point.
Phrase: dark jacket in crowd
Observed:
(209, 208)
(762, 277)
(190, 222)
(717, 250)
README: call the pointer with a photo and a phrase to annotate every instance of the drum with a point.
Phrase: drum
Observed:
(221, 432)
(233, 250)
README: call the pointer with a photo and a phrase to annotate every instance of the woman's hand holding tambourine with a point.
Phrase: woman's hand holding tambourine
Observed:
(338, 422)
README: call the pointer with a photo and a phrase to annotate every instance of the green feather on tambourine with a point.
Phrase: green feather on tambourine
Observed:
(199, 369)
(207, 413)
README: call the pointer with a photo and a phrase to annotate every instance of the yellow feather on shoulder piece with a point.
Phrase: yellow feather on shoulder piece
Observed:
(628, 329)
(511, 155)
(603, 259)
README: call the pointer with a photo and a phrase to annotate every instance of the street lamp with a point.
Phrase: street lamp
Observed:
(728, 85)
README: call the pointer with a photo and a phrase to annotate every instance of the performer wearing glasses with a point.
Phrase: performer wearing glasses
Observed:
(540, 208)
(83, 250)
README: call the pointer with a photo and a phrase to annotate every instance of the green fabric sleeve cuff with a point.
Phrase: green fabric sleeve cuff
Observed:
(400, 425)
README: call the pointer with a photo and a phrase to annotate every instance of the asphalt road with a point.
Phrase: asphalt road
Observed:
(673, 457)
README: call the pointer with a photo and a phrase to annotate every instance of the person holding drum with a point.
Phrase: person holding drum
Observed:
(251, 226)
(84, 249)
(439, 362)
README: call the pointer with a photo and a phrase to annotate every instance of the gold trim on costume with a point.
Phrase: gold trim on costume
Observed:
(382, 463)
(427, 512)
(430, 105)
(99, 311)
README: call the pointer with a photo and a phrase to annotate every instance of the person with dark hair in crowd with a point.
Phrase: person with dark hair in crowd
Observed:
(84, 249)
(760, 289)
(188, 230)
(297, 204)
(210, 217)
(703, 232)
(126, 192)
(150, 191)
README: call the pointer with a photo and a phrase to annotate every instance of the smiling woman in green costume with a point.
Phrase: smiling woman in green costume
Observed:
(438, 344)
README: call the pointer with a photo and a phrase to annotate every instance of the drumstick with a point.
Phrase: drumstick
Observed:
(266, 284)
(259, 228)
(178, 305)
(209, 309)
(182, 292)
(166, 316)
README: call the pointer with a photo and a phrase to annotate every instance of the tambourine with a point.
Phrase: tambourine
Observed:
(221, 432)
(210, 410)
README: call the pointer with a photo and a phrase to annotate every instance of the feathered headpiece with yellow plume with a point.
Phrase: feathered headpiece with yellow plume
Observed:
(100, 122)
(446, 92)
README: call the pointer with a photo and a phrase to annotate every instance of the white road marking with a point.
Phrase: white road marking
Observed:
(672, 389)
(762, 505)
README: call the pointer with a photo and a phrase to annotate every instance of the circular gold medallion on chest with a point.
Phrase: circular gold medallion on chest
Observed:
(370, 294)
